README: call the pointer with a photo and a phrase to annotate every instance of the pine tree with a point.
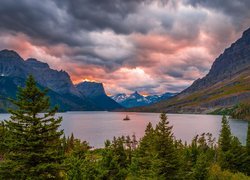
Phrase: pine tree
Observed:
(225, 137)
(167, 163)
(248, 151)
(248, 140)
(2, 139)
(144, 154)
(34, 141)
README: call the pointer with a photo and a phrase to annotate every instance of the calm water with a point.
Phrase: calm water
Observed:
(96, 127)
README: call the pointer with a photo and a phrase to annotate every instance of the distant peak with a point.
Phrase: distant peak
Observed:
(9, 54)
(91, 88)
(136, 92)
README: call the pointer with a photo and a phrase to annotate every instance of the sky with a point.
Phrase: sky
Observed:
(150, 46)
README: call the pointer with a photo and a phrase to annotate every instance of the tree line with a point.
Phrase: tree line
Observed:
(32, 146)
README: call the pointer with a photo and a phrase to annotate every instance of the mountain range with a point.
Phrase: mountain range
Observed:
(135, 99)
(69, 97)
(226, 84)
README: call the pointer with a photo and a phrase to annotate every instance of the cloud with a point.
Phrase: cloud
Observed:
(147, 45)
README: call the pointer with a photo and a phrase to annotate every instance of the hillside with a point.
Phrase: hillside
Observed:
(226, 84)
(14, 70)
(96, 93)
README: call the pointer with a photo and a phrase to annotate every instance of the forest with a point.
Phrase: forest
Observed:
(32, 146)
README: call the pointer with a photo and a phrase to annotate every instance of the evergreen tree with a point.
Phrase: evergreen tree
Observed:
(248, 140)
(225, 140)
(201, 167)
(115, 160)
(144, 155)
(33, 141)
(2, 140)
(225, 137)
(232, 155)
(248, 151)
(167, 161)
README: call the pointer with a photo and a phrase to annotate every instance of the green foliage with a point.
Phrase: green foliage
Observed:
(142, 162)
(33, 142)
(225, 137)
(115, 160)
(31, 147)
(3, 136)
(215, 173)
(248, 151)
(167, 161)
(232, 155)
(241, 111)
(223, 111)
(248, 139)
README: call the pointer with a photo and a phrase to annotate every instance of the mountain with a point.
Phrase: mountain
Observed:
(137, 100)
(14, 70)
(95, 92)
(226, 84)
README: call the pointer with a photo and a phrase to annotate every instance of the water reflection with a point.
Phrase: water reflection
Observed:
(96, 127)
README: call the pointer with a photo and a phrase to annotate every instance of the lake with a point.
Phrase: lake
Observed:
(96, 127)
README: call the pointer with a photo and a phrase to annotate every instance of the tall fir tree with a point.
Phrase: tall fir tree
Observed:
(225, 137)
(2, 139)
(167, 161)
(144, 154)
(33, 141)
(248, 150)
(248, 140)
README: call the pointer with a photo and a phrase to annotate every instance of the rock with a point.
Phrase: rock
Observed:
(95, 92)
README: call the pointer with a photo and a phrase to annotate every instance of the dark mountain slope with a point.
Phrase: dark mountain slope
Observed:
(226, 84)
(96, 92)
(66, 102)
(14, 70)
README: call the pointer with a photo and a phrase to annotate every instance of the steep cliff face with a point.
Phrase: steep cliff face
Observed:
(233, 61)
(95, 92)
(58, 81)
(91, 89)
(14, 70)
(226, 84)
(11, 64)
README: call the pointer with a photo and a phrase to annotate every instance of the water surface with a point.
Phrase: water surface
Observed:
(96, 127)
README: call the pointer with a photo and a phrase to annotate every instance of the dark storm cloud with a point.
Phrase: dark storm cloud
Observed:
(146, 45)
(70, 22)
(108, 14)
(238, 10)
(41, 20)
(67, 20)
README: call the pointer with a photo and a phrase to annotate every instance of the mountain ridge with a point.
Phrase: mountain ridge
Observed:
(96, 92)
(226, 84)
(14, 70)
(136, 99)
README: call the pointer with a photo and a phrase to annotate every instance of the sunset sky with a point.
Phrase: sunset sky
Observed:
(151, 46)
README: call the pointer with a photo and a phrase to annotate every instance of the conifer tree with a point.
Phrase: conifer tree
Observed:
(248, 150)
(248, 140)
(2, 139)
(225, 137)
(168, 162)
(33, 141)
(144, 155)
